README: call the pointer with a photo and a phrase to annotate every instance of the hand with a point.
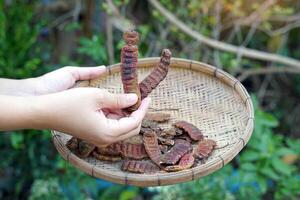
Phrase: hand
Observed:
(91, 114)
(65, 78)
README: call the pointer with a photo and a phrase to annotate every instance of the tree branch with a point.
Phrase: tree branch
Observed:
(119, 22)
(246, 52)
(269, 70)
(110, 41)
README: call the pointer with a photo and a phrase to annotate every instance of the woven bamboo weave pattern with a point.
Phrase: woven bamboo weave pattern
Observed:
(201, 94)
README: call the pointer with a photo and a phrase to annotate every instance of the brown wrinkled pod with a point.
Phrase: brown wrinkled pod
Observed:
(129, 57)
(152, 147)
(106, 157)
(166, 141)
(144, 130)
(163, 148)
(72, 144)
(151, 125)
(185, 137)
(185, 162)
(180, 148)
(136, 139)
(194, 133)
(178, 131)
(134, 151)
(85, 148)
(138, 166)
(157, 75)
(204, 148)
(158, 117)
(111, 150)
(168, 133)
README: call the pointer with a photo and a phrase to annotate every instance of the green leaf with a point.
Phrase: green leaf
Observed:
(270, 173)
(248, 166)
(294, 144)
(262, 184)
(128, 195)
(16, 140)
(284, 151)
(269, 120)
(281, 167)
(249, 155)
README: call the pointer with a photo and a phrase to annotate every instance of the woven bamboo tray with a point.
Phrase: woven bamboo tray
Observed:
(208, 97)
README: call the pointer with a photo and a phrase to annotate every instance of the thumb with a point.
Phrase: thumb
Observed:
(109, 100)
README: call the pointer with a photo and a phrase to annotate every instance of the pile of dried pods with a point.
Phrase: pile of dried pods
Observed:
(180, 147)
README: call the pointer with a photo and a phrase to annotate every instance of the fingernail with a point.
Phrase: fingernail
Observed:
(132, 98)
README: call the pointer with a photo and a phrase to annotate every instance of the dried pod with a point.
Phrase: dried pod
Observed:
(106, 157)
(72, 144)
(129, 55)
(144, 130)
(185, 137)
(134, 151)
(178, 131)
(185, 162)
(158, 117)
(150, 125)
(163, 148)
(111, 150)
(137, 139)
(166, 141)
(204, 148)
(152, 147)
(180, 148)
(194, 133)
(138, 166)
(157, 75)
(168, 133)
(84, 148)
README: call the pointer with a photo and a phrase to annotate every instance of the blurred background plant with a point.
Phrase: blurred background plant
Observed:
(38, 36)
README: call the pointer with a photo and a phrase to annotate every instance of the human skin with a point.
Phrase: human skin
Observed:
(91, 114)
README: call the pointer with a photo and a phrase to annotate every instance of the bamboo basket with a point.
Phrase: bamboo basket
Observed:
(208, 97)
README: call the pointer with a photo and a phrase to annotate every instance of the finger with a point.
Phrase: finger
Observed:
(119, 112)
(116, 101)
(85, 73)
(142, 110)
(113, 116)
(127, 124)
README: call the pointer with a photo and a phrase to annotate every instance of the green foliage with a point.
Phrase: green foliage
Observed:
(31, 167)
(120, 192)
(211, 187)
(94, 48)
(18, 37)
(46, 189)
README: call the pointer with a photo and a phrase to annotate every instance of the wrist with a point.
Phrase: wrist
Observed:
(23, 87)
(41, 112)
(31, 87)
(18, 112)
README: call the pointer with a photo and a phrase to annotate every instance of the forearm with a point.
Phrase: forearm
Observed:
(23, 87)
(20, 113)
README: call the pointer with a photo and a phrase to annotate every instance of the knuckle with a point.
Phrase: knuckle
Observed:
(119, 101)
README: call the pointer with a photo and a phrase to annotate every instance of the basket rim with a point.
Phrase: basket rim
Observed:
(173, 177)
